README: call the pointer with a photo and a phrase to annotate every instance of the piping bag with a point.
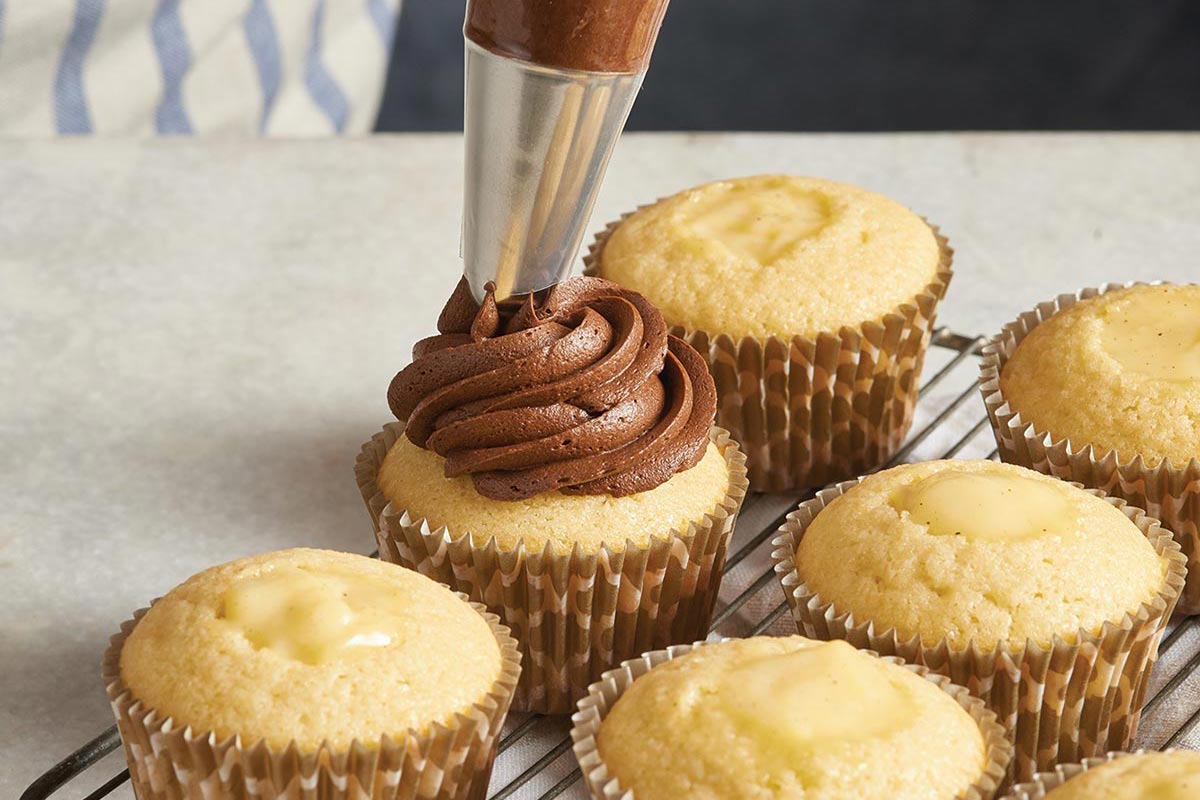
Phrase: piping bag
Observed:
(549, 84)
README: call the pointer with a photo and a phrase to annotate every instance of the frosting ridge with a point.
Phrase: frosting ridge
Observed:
(579, 389)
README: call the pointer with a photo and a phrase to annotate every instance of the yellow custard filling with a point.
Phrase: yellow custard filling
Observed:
(760, 224)
(1155, 334)
(315, 617)
(843, 696)
(777, 718)
(986, 507)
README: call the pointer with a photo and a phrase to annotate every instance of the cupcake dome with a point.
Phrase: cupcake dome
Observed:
(975, 550)
(773, 255)
(1142, 776)
(413, 479)
(789, 717)
(1119, 371)
(310, 646)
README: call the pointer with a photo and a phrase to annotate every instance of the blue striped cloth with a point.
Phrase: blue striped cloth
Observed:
(178, 67)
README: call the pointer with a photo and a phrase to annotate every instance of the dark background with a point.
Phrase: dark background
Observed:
(867, 65)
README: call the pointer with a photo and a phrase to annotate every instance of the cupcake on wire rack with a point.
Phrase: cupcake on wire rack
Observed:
(309, 673)
(1103, 387)
(813, 303)
(1046, 600)
(556, 460)
(771, 718)
(1171, 775)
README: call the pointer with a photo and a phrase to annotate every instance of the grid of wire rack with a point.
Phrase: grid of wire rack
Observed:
(535, 759)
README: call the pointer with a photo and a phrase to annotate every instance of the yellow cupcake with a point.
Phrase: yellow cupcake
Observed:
(310, 646)
(975, 550)
(763, 718)
(584, 581)
(1145, 776)
(813, 303)
(413, 478)
(1049, 601)
(1119, 371)
(773, 255)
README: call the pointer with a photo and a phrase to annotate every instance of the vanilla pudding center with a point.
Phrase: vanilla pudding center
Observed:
(814, 697)
(759, 223)
(314, 617)
(986, 506)
(1155, 334)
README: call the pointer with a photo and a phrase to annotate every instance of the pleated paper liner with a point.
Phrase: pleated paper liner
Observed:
(603, 695)
(575, 614)
(1170, 493)
(808, 413)
(1065, 702)
(1043, 782)
(168, 760)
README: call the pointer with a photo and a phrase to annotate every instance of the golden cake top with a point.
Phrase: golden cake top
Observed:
(788, 717)
(978, 550)
(310, 645)
(1146, 776)
(1120, 371)
(773, 255)
(412, 479)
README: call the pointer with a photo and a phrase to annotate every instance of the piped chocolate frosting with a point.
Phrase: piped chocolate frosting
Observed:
(583, 391)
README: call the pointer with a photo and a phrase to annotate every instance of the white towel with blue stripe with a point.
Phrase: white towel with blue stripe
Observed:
(223, 67)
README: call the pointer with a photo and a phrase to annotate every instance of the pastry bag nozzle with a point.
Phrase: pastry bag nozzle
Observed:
(545, 103)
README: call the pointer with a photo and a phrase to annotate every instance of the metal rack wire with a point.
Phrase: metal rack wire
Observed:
(534, 758)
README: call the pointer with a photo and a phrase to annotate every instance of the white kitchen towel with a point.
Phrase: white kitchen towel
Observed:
(225, 67)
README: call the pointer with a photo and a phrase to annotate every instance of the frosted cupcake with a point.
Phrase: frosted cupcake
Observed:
(812, 302)
(314, 668)
(765, 718)
(1046, 600)
(557, 462)
(1103, 388)
(1173, 775)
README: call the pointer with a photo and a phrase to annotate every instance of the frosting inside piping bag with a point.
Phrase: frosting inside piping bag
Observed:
(584, 392)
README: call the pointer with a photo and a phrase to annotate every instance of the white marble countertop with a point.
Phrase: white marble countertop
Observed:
(196, 337)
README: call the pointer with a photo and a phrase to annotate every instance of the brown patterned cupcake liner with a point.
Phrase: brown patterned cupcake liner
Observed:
(575, 614)
(1043, 782)
(1170, 493)
(169, 761)
(810, 412)
(603, 695)
(1065, 702)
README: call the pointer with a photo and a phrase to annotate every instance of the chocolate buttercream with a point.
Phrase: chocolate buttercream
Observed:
(610, 36)
(583, 391)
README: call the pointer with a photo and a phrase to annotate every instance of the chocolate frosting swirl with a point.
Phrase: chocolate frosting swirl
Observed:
(584, 392)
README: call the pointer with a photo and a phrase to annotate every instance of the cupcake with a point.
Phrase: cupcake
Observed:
(788, 717)
(1103, 387)
(812, 302)
(308, 671)
(1046, 600)
(1173, 775)
(556, 461)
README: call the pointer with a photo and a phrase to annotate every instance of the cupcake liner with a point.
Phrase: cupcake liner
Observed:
(167, 760)
(1043, 782)
(1064, 702)
(575, 614)
(1170, 493)
(810, 412)
(602, 695)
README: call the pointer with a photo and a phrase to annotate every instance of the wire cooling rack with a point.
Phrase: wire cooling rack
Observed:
(534, 758)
